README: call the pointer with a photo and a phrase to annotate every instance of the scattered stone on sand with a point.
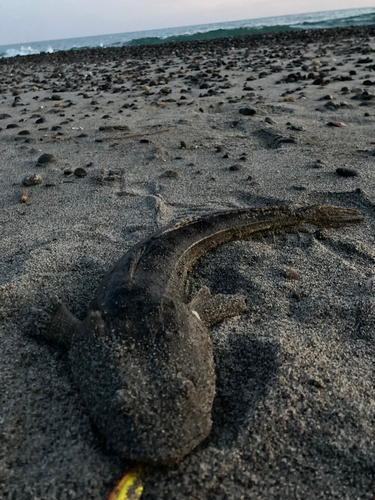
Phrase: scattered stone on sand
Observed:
(270, 120)
(235, 168)
(319, 164)
(291, 274)
(32, 180)
(80, 172)
(297, 128)
(318, 81)
(249, 111)
(25, 195)
(336, 124)
(46, 158)
(346, 172)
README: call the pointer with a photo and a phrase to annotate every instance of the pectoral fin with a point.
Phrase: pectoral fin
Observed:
(214, 308)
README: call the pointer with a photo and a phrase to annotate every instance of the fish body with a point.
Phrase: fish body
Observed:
(142, 358)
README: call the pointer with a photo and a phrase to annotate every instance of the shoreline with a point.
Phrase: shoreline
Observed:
(326, 35)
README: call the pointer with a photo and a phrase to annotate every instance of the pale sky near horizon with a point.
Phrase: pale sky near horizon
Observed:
(23, 21)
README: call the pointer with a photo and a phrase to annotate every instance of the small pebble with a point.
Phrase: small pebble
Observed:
(25, 195)
(336, 124)
(46, 158)
(32, 180)
(249, 111)
(80, 172)
(319, 164)
(290, 274)
(236, 168)
(318, 81)
(346, 172)
(270, 120)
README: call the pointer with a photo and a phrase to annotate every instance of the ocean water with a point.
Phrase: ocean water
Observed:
(326, 19)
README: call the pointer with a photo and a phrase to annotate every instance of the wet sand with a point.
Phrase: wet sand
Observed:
(144, 136)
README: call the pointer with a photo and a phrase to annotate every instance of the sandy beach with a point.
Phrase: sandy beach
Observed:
(99, 148)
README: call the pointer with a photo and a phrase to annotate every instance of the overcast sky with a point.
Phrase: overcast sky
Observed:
(37, 20)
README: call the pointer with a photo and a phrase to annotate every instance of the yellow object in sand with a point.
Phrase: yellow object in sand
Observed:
(129, 487)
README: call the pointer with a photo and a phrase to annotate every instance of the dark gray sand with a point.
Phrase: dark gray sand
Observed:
(144, 136)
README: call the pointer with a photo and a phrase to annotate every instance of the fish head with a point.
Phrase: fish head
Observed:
(150, 395)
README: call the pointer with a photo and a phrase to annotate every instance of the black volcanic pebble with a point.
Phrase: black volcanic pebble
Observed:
(144, 141)
(346, 172)
(46, 158)
(4, 116)
(12, 125)
(80, 172)
(318, 81)
(248, 111)
(235, 168)
(40, 120)
(24, 132)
